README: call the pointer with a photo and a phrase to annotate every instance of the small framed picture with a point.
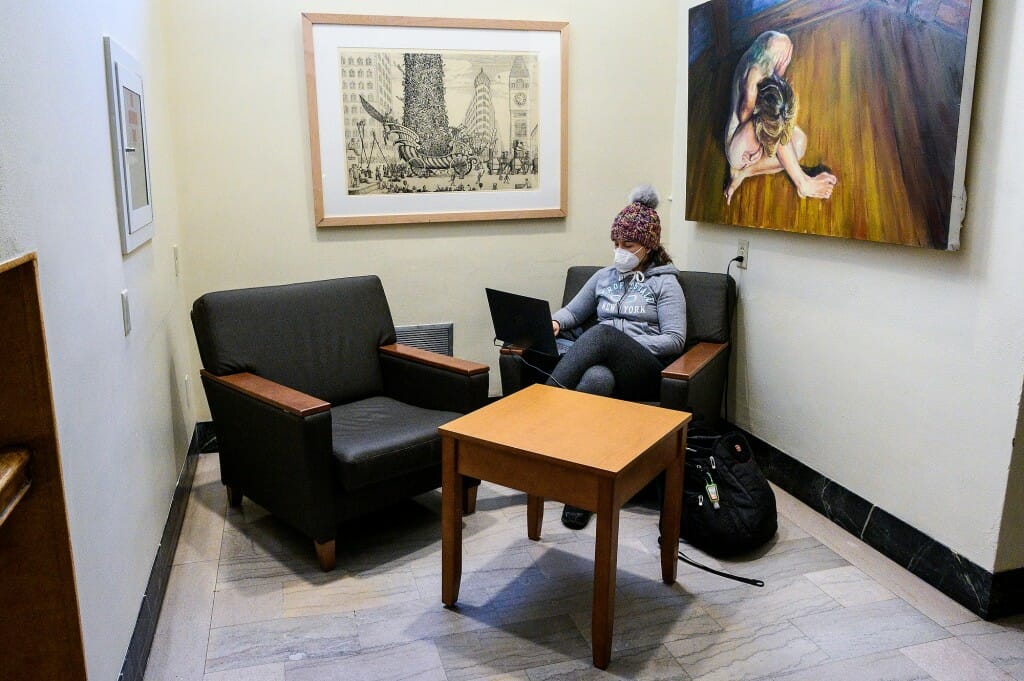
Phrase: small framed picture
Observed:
(129, 146)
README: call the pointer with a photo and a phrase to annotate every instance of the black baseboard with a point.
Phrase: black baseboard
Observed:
(989, 595)
(137, 656)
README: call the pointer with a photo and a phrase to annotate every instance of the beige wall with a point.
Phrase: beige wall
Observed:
(122, 418)
(894, 371)
(242, 144)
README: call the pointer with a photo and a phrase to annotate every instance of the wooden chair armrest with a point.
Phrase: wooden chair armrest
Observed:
(693, 360)
(14, 479)
(512, 350)
(274, 394)
(434, 359)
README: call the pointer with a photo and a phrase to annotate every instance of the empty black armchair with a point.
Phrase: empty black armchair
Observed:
(320, 416)
(695, 381)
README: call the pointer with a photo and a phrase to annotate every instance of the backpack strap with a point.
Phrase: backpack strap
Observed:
(746, 580)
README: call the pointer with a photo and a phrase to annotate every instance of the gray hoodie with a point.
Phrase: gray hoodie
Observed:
(648, 307)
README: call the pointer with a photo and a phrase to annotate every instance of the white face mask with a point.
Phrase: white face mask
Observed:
(626, 261)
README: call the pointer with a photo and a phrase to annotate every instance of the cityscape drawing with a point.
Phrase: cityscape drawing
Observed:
(439, 122)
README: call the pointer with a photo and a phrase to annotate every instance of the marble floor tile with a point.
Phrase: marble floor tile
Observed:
(904, 584)
(746, 606)
(203, 525)
(247, 513)
(743, 654)
(577, 558)
(429, 563)
(519, 602)
(208, 471)
(646, 623)
(849, 586)
(247, 604)
(510, 648)
(180, 641)
(478, 571)
(652, 663)
(352, 592)
(833, 609)
(264, 672)
(954, 661)
(865, 629)
(789, 530)
(781, 560)
(415, 661)
(265, 571)
(282, 640)
(1001, 643)
(890, 665)
(376, 631)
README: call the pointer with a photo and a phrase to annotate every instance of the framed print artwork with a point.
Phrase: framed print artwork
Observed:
(845, 118)
(418, 120)
(129, 147)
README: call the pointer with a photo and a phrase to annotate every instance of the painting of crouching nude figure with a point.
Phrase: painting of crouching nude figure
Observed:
(828, 117)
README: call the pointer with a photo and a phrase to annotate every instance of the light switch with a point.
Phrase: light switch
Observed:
(126, 313)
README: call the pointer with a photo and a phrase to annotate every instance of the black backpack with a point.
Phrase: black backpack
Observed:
(728, 506)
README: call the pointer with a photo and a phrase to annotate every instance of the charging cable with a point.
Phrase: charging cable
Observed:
(522, 358)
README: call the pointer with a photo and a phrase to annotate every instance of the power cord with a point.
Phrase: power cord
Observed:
(536, 368)
(738, 258)
(728, 320)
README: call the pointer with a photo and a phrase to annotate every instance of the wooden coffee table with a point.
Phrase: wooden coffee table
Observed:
(588, 451)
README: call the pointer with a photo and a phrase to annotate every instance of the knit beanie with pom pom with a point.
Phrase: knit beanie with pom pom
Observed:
(639, 222)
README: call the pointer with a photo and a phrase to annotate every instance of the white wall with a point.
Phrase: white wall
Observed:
(244, 167)
(895, 372)
(122, 420)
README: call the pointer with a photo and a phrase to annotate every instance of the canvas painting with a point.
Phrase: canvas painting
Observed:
(844, 118)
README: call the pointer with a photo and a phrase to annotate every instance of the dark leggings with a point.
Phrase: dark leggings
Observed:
(605, 361)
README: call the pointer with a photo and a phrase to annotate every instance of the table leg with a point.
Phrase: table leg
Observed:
(671, 508)
(451, 523)
(605, 556)
(534, 516)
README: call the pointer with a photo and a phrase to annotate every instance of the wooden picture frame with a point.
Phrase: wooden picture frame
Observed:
(129, 146)
(421, 120)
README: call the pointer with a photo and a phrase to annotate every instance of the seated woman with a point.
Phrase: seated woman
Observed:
(641, 317)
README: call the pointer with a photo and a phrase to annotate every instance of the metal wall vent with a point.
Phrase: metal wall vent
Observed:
(434, 337)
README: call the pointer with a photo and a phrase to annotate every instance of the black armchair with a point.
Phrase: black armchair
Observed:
(694, 382)
(320, 416)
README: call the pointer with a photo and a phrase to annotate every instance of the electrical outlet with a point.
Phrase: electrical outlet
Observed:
(177, 267)
(743, 251)
(188, 391)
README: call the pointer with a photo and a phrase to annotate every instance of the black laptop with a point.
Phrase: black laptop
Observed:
(522, 321)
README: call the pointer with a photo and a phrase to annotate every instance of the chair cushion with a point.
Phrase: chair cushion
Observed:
(379, 438)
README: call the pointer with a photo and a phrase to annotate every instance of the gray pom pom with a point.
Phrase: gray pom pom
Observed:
(645, 194)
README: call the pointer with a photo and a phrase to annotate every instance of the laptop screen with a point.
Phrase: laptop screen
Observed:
(522, 321)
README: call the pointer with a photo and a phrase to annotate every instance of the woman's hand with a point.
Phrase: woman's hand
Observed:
(555, 326)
